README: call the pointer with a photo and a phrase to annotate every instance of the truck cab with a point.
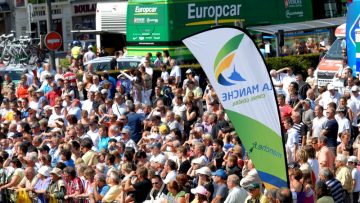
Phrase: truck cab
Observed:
(332, 61)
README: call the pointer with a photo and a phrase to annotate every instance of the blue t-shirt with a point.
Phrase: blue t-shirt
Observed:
(69, 163)
(134, 122)
(102, 191)
(103, 143)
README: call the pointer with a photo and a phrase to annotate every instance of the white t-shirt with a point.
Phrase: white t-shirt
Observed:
(95, 137)
(314, 166)
(53, 117)
(355, 174)
(165, 75)
(344, 124)
(87, 105)
(277, 81)
(286, 80)
(149, 71)
(326, 98)
(354, 105)
(176, 72)
(292, 140)
(317, 125)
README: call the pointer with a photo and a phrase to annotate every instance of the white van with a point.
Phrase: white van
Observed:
(332, 61)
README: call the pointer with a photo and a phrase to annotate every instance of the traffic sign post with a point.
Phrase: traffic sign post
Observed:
(53, 41)
(50, 28)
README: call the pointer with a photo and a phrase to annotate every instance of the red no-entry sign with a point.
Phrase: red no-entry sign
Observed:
(53, 41)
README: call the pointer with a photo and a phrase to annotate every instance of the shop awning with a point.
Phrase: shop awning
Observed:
(306, 25)
(4, 7)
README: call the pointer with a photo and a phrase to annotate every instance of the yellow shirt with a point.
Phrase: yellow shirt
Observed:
(87, 157)
(112, 194)
(75, 51)
(344, 176)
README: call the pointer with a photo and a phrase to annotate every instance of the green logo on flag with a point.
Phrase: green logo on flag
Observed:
(224, 60)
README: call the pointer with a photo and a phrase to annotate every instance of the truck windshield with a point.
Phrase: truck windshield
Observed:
(335, 51)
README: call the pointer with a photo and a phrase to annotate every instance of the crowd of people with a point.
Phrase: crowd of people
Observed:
(136, 138)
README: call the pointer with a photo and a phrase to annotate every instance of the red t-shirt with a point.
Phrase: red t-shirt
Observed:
(52, 95)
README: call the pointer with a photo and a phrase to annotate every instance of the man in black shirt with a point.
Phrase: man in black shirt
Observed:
(139, 190)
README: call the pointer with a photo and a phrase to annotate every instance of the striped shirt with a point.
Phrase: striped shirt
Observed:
(301, 128)
(337, 191)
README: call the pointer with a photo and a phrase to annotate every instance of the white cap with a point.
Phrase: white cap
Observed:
(204, 171)
(352, 159)
(354, 88)
(330, 86)
(161, 159)
(44, 171)
(199, 161)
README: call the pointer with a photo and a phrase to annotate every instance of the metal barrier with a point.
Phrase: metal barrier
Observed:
(10, 196)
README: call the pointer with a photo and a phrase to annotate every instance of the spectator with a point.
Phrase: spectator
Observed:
(236, 194)
(220, 187)
(344, 175)
(113, 181)
(100, 188)
(139, 190)
(74, 186)
(337, 191)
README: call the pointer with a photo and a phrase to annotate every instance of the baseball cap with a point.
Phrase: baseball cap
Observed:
(330, 87)
(352, 159)
(221, 173)
(5, 100)
(199, 161)
(199, 190)
(125, 130)
(252, 186)
(354, 88)
(204, 171)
